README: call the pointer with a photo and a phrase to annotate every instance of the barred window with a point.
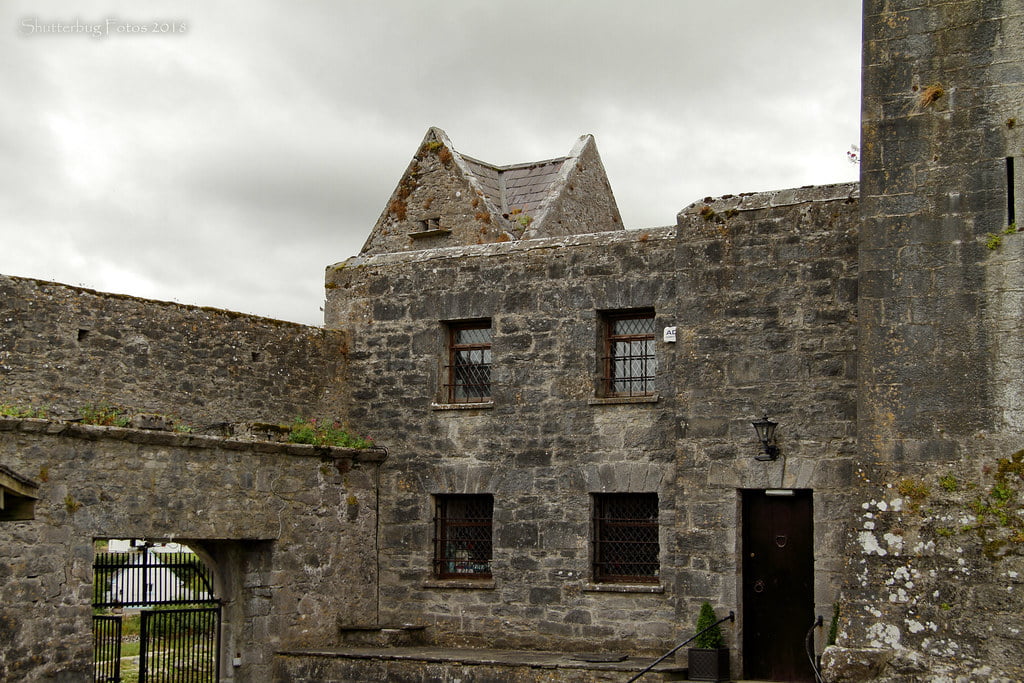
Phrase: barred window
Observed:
(462, 536)
(469, 362)
(626, 537)
(628, 363)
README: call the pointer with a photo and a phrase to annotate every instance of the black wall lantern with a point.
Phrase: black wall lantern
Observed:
(765, 429)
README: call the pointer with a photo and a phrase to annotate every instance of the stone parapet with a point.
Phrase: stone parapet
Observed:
(752, 201)
(65, 347)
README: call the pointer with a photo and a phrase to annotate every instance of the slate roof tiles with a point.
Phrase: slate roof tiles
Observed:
(519, 186)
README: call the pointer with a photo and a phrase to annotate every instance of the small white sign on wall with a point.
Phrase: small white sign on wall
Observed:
(670, 334)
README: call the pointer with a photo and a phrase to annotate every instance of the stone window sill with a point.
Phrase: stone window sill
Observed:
(483, 405)
(624, 588)
(617, 400)
(436, 232)
(471, 584)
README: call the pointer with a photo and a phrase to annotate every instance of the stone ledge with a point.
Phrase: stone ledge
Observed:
(482, 405)
(623, 588)
(464, 584)
(437, 232)
(184, 440)
(619, 400)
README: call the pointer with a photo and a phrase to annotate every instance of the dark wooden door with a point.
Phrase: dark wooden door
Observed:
(778, 585)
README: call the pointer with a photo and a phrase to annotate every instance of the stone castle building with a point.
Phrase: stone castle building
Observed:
(567, 409)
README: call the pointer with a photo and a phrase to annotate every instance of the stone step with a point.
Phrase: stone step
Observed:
(424, 663)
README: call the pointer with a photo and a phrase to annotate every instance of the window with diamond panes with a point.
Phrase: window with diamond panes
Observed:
(462, 536)
(628, 364)
(626, 538)
(469, 362)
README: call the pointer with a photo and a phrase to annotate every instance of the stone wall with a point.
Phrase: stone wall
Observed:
(286, 528)
(65, 347)
(762, 290)
(933, 576)
(767, 315)
(541, 448)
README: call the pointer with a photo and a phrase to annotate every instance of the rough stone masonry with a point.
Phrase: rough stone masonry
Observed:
(879, 326)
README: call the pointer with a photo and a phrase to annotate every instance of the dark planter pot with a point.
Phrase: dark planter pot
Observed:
(708, 664)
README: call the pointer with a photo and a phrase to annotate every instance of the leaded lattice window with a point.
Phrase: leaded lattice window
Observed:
(462, 536)
(625, 533)
(629, 364)
(469, 362)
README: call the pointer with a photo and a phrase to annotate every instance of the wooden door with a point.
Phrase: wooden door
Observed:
(778, 585)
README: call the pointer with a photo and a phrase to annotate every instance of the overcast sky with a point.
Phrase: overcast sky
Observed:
(231, 151)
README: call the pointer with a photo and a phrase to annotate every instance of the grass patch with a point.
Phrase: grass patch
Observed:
(14, 410)
(312, 431)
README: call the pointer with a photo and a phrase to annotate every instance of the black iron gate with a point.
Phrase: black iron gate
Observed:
(106, 648)
(178, 618)
(180, 645)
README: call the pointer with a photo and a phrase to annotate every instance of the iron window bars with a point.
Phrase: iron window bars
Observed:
(469, 362)
(628, 360)
(626, 537)
(462, 536)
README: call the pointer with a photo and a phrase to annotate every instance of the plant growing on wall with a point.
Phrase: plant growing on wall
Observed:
(12, 410)
(1000, 523)
(104, 415)
(995, 240)
(915, 491)
(312, 431)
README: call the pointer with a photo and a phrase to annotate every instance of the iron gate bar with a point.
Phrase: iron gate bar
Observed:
(106, 648)
(190, 646)
(151, 579)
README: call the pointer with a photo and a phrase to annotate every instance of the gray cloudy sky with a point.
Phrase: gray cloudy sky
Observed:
(229, 156)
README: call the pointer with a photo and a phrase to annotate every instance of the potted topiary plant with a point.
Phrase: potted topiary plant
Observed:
(709, 660)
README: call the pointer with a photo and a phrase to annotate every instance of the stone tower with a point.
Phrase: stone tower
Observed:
(943, 87)
(941, 388)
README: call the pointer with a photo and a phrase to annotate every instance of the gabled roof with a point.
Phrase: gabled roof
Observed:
(446, 198)
(526, 187)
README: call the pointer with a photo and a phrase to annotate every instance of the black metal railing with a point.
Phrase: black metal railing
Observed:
(812, 656)
(659, 660)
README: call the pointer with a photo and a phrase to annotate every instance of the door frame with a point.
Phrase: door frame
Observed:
(806, 561)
